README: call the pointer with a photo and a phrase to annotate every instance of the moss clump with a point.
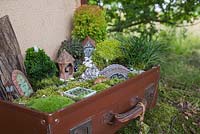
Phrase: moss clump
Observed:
(100, 87)
(160, 118)
(114, 81)
(46, 92)
(131, 128)
(48, 82)
(73, 84)
(131, 75)
(49, 104)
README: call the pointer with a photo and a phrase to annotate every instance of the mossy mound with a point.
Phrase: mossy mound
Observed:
(73, 84)
(48, 82)
(100, 87)
(113, 82)
(46, 92)
(160, 118)
(49, 104)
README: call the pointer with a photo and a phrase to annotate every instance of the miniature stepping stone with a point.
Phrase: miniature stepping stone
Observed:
(115, 71)
(79, 93)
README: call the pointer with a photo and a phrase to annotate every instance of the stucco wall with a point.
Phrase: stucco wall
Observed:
(44, 23)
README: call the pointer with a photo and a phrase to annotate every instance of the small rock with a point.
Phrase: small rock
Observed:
(90, 73)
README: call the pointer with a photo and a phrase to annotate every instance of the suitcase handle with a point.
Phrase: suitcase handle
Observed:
(135, 112)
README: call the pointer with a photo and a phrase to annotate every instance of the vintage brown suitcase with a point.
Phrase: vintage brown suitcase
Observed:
(103, 113)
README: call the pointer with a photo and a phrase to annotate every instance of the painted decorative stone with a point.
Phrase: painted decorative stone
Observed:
(88, 46)
(21, 83)
(115, 71)
(90, 73)
(79, 93)
(66, 65)
(88, 62)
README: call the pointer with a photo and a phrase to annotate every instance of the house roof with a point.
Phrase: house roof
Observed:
(90, 40)
(65, 58)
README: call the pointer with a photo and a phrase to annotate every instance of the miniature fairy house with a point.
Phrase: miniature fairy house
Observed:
(88, 46)
(66, 65)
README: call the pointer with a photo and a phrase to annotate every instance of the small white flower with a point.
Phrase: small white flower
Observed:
(43, 96)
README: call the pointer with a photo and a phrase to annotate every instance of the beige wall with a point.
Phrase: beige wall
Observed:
(44, 23)
(194, 29)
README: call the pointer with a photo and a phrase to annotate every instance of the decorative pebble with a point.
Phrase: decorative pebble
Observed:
(90, 73)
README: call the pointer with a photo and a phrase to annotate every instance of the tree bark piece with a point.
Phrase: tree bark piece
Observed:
(10, 55)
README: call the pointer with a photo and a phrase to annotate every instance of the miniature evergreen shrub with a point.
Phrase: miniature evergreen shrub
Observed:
(100, 87)
(89, 20)
(74, 47)
(106, 53)
(38, 65)
(49, 104)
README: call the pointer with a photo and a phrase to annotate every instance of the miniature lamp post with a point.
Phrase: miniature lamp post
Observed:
(66, 65)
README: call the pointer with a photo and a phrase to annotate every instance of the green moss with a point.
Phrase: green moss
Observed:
(48, 82)
(46, 92)
(114, 81)
(49, 104)
(81, 70)
(22, 100)
(160, 118)
(100, 87)
(131, 128)
(73, 84)
(131, 75)
(156, 121)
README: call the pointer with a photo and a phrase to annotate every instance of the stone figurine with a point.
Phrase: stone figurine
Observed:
(92, 71)
(66, 65)
(88, 46)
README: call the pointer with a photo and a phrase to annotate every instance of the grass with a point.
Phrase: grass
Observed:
(178, 106)
(140, 52)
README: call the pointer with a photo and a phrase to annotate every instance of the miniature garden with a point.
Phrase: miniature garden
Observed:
(86, 64)
(105, 50)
